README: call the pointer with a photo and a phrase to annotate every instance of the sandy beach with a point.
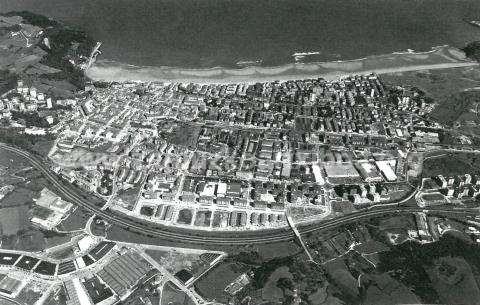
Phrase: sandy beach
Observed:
(441, 57)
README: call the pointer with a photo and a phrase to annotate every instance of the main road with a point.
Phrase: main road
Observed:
(203, 237)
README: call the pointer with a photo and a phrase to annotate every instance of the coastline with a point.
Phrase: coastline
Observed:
(440, 57)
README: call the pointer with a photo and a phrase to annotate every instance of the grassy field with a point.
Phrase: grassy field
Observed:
(457, 108)
(453, 279)
(371, 246)
(175, 261)
(391, 229)
(53, 239)
(171, 295)
(43, 147)
(214, 282)
(12, 161)
(17, 232)
(62, 254)
(185, 135)
(13, 220)
(129, 196)
(433, 197)
(75, 221)
(343, 280)
(18, 197)
(385, 290)
(453, 90)
(438, 84)
(452, 164)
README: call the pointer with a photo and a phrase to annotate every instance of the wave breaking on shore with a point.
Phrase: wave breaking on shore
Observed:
(438, 58)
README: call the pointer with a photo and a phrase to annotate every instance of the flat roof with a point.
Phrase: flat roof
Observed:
(338, 170)
(386, 168)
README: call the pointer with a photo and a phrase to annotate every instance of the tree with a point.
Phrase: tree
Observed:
(472, 50)
(285, 283)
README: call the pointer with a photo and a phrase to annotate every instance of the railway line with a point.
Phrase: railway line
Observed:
(213, 238)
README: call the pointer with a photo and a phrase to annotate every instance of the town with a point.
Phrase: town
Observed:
(237, 156)
(157, 157)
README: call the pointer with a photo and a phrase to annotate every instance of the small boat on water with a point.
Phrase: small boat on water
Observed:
(475, 22)
(296, 54)
(249, 63)
(300, 55)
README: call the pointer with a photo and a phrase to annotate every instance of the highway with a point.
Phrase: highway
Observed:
(211, 238)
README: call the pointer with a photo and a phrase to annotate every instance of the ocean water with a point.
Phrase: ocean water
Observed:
(213, 33)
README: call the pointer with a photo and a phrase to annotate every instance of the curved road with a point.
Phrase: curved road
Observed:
(200, 237)
(9, 301)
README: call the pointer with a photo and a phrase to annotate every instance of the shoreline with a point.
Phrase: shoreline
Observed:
(440, 57)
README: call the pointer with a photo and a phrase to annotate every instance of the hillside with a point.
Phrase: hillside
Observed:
(44, 52)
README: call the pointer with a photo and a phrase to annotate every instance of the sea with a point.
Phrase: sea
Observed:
(235, 33)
